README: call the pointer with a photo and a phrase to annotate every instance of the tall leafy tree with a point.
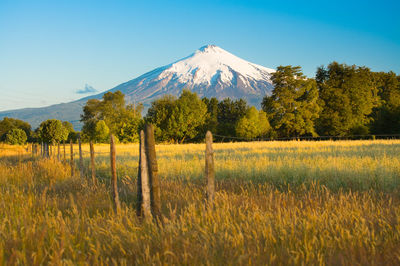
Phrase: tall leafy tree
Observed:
(121, 119)
(70, 133)
(229, 113)
(51, 131)
(8, 124)
(188, 116)
(293, 106)
(348, 95)
(16, 136)
(386, 116)
(159, 114)
(211, 123)
(102, 132)
(253, 125)
(179, 119)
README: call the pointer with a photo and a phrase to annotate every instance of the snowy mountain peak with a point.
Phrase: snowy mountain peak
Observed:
(211, 63)
(210, 48)
(210, 72)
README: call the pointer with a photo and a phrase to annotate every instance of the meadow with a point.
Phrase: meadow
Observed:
(276, 203)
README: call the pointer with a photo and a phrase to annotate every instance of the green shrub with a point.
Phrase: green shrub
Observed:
(16, 136)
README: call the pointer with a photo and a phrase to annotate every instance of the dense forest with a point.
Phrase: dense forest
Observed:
(341, 100)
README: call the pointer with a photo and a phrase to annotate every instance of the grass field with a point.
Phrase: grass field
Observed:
(328, 202)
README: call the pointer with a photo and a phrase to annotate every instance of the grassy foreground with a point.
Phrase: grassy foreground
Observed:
(276, 203)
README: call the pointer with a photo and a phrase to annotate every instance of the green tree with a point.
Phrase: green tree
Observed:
(159, 114)
(101, 132)
(51, 131)
(293, 106)
(348, 95)
(229, 113)
(16, 136)
(187, 117)
(10, 123)
(69, 132)
(122, 120)
(386, 116)
(211, 122)
(255, 124)
(179, 119)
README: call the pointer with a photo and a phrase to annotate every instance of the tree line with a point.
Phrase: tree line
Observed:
(341, 100)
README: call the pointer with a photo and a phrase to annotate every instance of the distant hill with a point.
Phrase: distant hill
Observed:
(210, 72)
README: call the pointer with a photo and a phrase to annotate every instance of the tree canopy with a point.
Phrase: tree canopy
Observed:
(348, 95)
(229, 113)
(386, 116)
(16, 136)
(8, 124)
(293, 106)
(253, 125)
(122, 120)
(52, 131)
(178, 119)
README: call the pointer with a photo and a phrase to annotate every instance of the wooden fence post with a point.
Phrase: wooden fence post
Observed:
(58, 151)
(72, 158)
(46, 150)
(80, 157)
(114, 187)
(143, 192)
(65, 157)
(150, 149)
(92, 165)
(41, 150)
(209, 169)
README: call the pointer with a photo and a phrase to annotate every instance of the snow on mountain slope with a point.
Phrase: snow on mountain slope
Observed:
(210, 72)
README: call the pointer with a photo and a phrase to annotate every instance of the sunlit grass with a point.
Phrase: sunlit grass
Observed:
(329, 202)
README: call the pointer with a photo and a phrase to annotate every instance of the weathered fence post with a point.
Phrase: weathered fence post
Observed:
(46, 150)
(65, 157)
(209, 169)
(33, 150)
(80, 157)
(92, 165)
(150, 149)
(143, 184)
(114, 187)
(41, 150)
(72, 158)
(58, 151)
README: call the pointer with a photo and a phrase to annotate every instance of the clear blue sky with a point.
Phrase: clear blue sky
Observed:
(50, 49)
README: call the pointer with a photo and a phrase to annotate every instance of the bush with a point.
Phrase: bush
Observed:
(16, 136)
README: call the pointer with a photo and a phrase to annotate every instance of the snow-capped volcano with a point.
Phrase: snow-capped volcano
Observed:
(210, 72)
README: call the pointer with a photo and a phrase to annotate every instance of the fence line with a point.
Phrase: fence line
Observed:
(148, 186)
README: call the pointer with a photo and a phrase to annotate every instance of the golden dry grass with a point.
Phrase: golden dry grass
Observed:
(276, 203)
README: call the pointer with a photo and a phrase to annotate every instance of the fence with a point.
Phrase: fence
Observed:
(148, 183)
